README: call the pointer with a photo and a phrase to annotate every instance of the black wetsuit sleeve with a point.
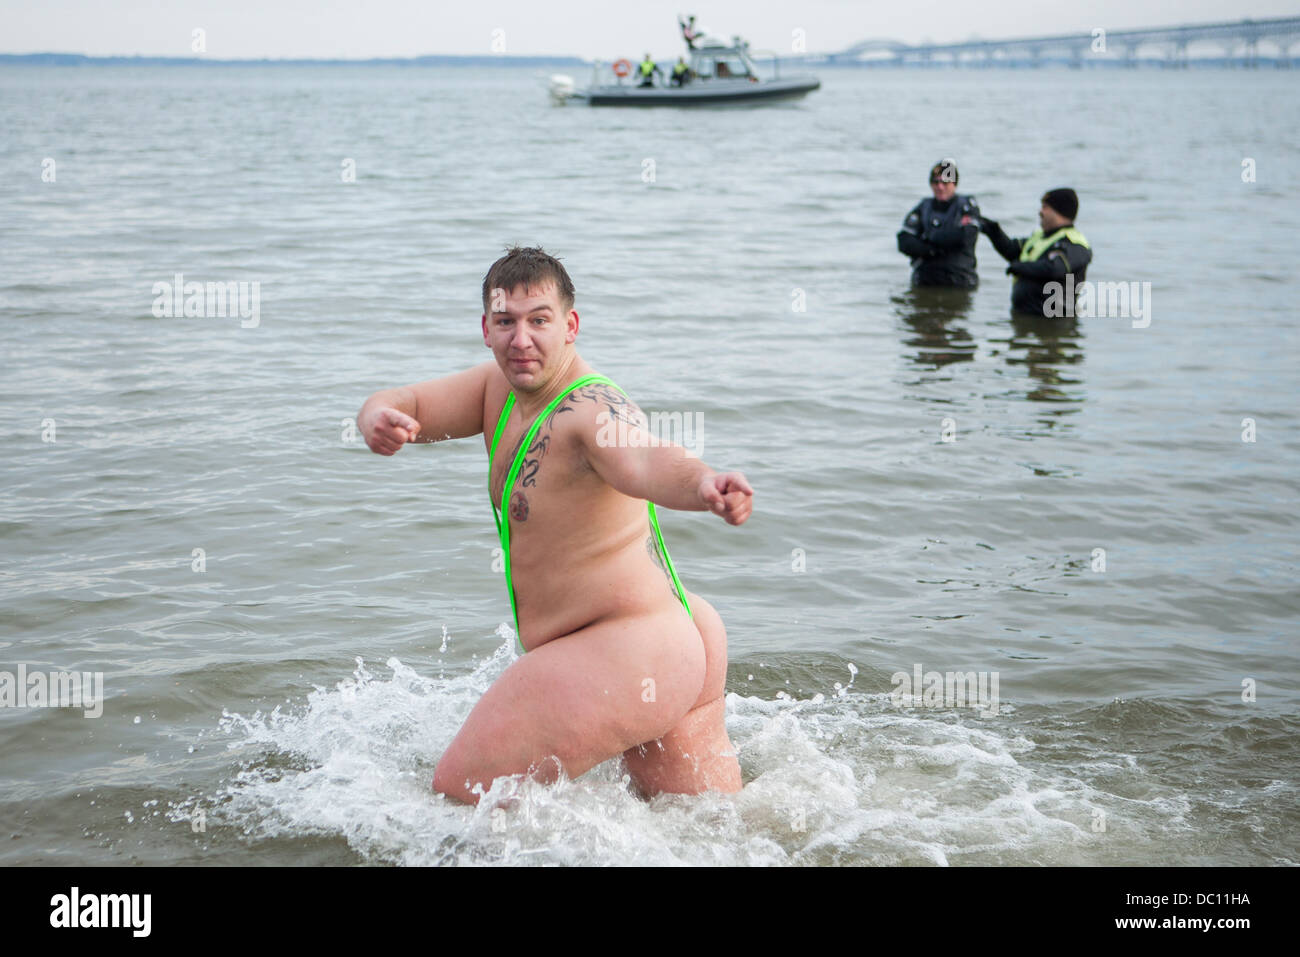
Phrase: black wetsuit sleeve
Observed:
(954, 237)
(1008, 248)
(1079, 256)
(959, 237)
(1048, 267)
(912, 245)
(910, 242)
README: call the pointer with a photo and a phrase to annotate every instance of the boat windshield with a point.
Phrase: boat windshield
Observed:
(722, 66)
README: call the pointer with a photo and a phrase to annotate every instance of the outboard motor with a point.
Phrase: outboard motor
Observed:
(561, 87)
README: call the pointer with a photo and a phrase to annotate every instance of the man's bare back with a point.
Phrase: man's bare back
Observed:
(614, 663)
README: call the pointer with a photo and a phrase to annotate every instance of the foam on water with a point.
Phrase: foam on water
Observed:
(842, 777)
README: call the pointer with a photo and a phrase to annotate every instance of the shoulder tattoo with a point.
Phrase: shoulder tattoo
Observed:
(611, 401)
(615, 404)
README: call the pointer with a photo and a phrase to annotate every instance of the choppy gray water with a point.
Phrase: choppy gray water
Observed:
(299, 691)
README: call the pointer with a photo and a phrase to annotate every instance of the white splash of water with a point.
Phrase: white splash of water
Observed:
(840, 778)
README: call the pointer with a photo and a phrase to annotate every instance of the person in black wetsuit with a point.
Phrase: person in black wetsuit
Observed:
(1042, 261)
(939, 234)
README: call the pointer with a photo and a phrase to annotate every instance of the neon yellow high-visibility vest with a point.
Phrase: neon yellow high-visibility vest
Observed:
(1037, 244)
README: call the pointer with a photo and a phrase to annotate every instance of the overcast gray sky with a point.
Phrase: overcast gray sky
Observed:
(586, 28)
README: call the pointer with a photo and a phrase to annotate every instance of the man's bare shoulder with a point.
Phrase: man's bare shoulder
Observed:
(495, 389)
(493, 378)
(596, 405)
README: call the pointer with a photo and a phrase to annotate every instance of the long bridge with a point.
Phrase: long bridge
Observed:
(1240, 42)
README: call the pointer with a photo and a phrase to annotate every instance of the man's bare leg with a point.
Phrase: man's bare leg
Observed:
(696, 755)
(579, 700)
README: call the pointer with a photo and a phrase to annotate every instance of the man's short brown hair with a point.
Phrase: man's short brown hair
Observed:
(527, 266)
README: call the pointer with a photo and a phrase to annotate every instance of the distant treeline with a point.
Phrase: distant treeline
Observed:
(1024, 63)
(77, 59)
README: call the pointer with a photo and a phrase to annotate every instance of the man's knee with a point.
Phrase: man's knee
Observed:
(458, 776)
(460, 781)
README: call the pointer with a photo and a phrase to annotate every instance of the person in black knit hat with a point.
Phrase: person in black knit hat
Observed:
(1055, 250)
(940, 233)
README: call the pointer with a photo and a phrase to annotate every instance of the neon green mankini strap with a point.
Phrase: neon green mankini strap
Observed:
(503, 524)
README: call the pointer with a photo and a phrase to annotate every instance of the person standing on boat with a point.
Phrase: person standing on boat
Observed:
(681, 72)
(1042, 261)
(940, 233)
(647, 70)
(689, 33)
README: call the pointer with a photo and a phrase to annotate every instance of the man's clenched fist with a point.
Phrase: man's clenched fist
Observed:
(728, 495)
(386, 430)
